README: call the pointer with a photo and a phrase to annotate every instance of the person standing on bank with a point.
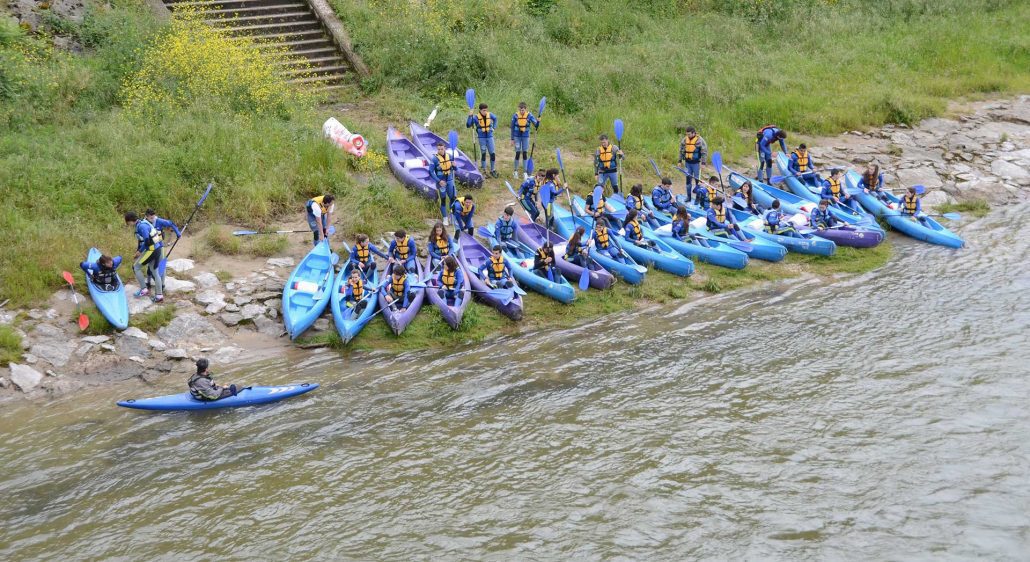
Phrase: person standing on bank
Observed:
(485, 124)
(606, 164)
(521, 120)
(319, 212)
(693, 150)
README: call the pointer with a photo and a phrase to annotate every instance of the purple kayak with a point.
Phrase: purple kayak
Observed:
(534, 236)
(451, 314)
(848, 235)
(466, 172)
(472, 256)
(409, 164)
(398, 320)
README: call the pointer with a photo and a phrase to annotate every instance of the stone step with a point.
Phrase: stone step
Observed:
(317, 61)
(263, 18)
(219, 4)
(272, 28)
(291, 44)
(316, 70)
(326, 78)
(286, 6)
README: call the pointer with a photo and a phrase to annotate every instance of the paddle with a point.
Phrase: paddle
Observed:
(83, 319)
(619, 129)
(717, 163)
(532, 147)
(164, 259)
(949, 216)
(654, 166)
(334, 259)
(470, 100)
(452, 141)
(332, 230)
(521, 202)
(432, 115)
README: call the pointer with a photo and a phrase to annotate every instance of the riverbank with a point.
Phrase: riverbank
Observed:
(226, 306)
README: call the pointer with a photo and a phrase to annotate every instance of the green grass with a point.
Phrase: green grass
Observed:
(10, 346)
(98, 325)
(153, 320)
(977, 208)
(223, 276)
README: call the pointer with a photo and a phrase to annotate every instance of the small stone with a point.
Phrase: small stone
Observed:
(134, 332)
(210, 297)
(206, 280)
(176, 353)
(281, 262)
(107, 347)
(84, 349)
(183, 304)
(35, 314)
(157, 345)
(96, 339)
(937, 198)
(322, 324)
(242, 300)
(230, 286)
(252, 311)
(6, 317)
(274, 303)
(51, 314)
(273, 313)
(137, 359)
(30, 358)
(180, 265)
(232, 307)
(4, 383)
(215, 308)
(231, 318)
(173, 285)
(24, 377)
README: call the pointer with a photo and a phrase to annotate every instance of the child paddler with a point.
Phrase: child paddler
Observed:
(402, 251)
(529, 193)
(721, 222)
(801, 165)
(505, 229)
(577, 250)
(777, 223)
(661, 197)
(355, 291)
(464, 209)
(680, 228)
(821, 218)
(603, 241)
(911, 206)
(495, 271)
(450, 279)
(634, 232)
(704, 193)
(549, 192)
(635, 201)
(397, 291)
(744, 198)
(485, 124)
(441, 169)
(872, 183)
(833, 189)
(439, 244)
(361, 255)
(521, 120)
(544, 262)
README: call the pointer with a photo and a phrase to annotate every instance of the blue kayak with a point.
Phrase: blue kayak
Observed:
(801, 243)
(520, 260)
(754, 247)
(813, 193)
(112, 304)
(927, 230)
(347, 323)
(307, 291)
(631, 272)
(247, 397)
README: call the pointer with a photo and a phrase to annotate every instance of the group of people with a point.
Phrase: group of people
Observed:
(149, 231)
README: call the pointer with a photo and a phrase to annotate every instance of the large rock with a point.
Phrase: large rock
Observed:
(110, 368)
(96, 339)
(131, 347)
(1009, 170)
(268, 327)
(189, 327)
(24, 377)
(180, 265)
(139, 305)
(251, 311)
(173, 285)
(134, 332)
(281, 262)
(937, 198)
(52, 345)
(210, 296)
(231, 318)
(924, 175)
(206, 280)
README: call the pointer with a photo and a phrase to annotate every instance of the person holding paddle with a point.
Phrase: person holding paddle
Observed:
(764, 140)
(398, 292)
(606, 163)
(693, 150)
(463, 209)
(661, 196)
(505, 228)
(354, 291)
(821, 218)
(485, 124)
(833, 189)
(161, 225)
(441, 169)
(744, 198)
(634, 232)
(549, 192)
(776, 222)
(801, 165)
(103, 272)
(495, 271)
(602, 237)
(721, 222)
(635, 202)
(319, 212)
(576, 250)
(544, 262)
(439, 244)
(450, 279)
(911, 207)
(681, 228)
(149, 250)
(529, 193)
(704, 193)
(361, 255)
(521, 120)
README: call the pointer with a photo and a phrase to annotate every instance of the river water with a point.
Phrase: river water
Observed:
(883, 416)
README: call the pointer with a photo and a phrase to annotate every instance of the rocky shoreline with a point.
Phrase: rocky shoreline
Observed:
(983, 152)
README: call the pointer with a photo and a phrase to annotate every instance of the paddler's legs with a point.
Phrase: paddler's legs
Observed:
(521, 151)
(765, 163)
(138, 270)
(694, 171)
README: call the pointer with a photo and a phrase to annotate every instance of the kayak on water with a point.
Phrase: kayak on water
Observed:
(927, 230)
(250, 396)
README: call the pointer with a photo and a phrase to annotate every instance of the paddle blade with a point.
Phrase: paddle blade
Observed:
(484, 232)
(452, 140)
(161, 266)
(584, 279)
(540, 109)
(919, 189)
(503, 295)
(244, 232)
(717, 162)
(597, 193)
(777, 179)
(518, 290)
(68, 278)
(83, 321)
(346, 247)
(332, 230)
(470, 97)
(952, 216)
(619, 129)
(206, 192)
(529, 166)
(557, 152)
(654, 166)
(511, 189)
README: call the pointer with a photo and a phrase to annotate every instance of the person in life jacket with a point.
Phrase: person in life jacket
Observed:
(361, 255)
(872, 183)
(721, 222)
(764, 140)
(605, 242)
(506, 227)
(704, 193)
(355, 293)
(464, 209)
(397, 290)
(802, 165)
(439, 245)
(911, 207)
(549, 192)
(661, 196)
(744, 199)
(544, 263)
(776, 222)
(606, 163)
(161, 225)
(577, 251)
(485, 124)
(635, 201)
(149, 251)
(402, 250)
(529, 193)
(680, 228)
(495, 271)
(693, 150)
(203, 388)
(442, 168)
(521, 121)
(821, 218)
(102, 273)
(833, 189)
(450, 280)
(599, 208)
(635, 232)
(319, 211)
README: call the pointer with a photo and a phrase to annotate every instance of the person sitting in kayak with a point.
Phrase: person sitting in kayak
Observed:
(661, 197)
(361, 255)
(495, 271)
(354, 291)
(833, 189)
(872, 183)
(744, 198)
(704, 193)
(635, 201)
(439, 244)
(149, 250)
(764, 140)
(604, 242)
(596, 209)
(680, 228)
(102, 272)
(441, 169)
(821, 218)
(319, 211)
(576, 250)
(776, 222)
(203, 388)
(450, 280)
(911, 207)
(506, 227)
(544, 262)
(529, 194)
(606, 163)
(549, 192)
(463, 209)
(720, 222)
(801, 165)
(398, 292)
(402, 250)
(485, 124)
(521, 120)
(634, 232)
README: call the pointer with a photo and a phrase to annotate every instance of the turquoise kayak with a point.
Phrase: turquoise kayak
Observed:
(813, 193)
(927, 230)
(521, 260)
(802, 243)
(754, 247)
(308, 290)
(112, 303)
(251, 396)
(630, 272)
(347, 323)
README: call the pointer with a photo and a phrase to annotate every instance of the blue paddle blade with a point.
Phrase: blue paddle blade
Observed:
(919, 189)
(598, 192)
(332, 230)
(204, 196)
(543, 104)
(777, 179)
(470, 97)
(452, 139)
(584, 279)
(529, 166)
(717, 162)
(557, 153)
(161, 266)
(243, 232)
(511, 189)
(619, 129)
(518, 290)
(952, 216)
(346, 247)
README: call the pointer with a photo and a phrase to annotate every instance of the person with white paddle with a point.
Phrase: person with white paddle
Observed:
(319, 212)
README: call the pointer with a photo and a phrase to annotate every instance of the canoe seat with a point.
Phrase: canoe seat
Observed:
(305, 300)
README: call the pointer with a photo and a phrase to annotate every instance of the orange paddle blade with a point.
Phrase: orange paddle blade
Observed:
(83, 321)
(68, 277)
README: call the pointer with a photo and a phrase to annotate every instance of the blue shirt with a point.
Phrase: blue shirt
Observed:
(767, 140)
(411, 249)
(371, 249)
(549, 192)
(822, 219)
(145, 234)
(713, 219)
(794, 167)
(459, 278)
(528, 189)
(530, 121)
(437, 173)
(662, 198)
(680, 229)
(164, 224)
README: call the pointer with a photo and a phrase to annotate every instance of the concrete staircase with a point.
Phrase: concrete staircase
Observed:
(313, 61)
